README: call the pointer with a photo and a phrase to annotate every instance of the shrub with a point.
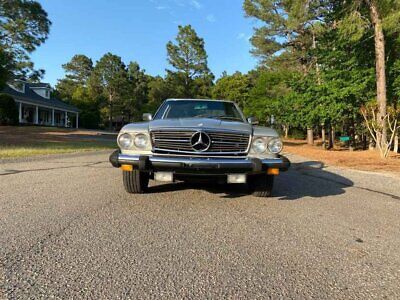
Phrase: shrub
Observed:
(8, 110)
(296, 133)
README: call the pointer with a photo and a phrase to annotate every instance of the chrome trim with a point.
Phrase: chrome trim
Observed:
(123, 158)
(272, 156)
(207, 130)
(198, 153)
(173, 140)
(197, 128)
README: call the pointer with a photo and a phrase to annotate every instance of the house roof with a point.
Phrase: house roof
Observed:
(38, 85)
(35, 99)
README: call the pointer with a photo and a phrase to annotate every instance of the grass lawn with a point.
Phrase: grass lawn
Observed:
(14, 151)
(23, 141)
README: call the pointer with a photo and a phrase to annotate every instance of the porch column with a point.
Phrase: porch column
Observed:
(66, 119)
(77, 120)
(20, 112)
(37, 115)
(52, 117)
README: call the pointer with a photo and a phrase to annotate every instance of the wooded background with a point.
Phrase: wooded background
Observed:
(326, 68)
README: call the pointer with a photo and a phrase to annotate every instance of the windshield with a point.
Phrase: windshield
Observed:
(199, 109)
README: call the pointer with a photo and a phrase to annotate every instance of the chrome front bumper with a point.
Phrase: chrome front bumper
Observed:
(207, 165)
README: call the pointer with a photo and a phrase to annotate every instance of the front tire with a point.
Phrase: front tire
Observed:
(135, 182)
(262, 185)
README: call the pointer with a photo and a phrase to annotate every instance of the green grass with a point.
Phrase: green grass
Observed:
(44, 148)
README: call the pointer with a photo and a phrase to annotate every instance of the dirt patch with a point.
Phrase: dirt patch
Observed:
(367, 160)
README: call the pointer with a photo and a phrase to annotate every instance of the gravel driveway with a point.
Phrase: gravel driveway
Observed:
(69, 230)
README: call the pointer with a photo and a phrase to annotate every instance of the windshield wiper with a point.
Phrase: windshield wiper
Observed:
(226, 118)
(222, 117)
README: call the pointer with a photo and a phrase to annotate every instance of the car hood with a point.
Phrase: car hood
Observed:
(200, 123)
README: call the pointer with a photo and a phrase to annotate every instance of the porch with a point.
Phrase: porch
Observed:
(46, 116)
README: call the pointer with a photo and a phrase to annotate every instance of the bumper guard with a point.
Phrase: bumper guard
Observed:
(199, 164)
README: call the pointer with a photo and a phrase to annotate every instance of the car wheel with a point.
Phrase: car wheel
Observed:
(135, 182)
(261, 185)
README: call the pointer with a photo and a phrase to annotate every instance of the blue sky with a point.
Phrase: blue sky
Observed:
(138, 30)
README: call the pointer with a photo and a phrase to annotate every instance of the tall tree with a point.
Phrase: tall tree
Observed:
(24, 25)
(356, 18)
(290, 28)
(188, 57)
(235, 87)
(74, 89)
(289, 25)
(136, 96)
(159, 90)
(109, 79)
(79, 68)
(4, 69)
(270, 99)
(78, 71)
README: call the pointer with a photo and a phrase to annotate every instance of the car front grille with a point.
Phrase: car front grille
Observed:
(180, 141)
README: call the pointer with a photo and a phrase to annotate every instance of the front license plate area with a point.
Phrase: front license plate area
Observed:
(236, 178)
(164, 176)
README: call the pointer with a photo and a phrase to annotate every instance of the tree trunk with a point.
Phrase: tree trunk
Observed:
(110, 115)
(317, 71)
(352, 142)
(187, 84)
(323, 134)
(286, 130)
(331, 137)
(371, 145)
(396, 143)
(310, 136)
(329, 146)
(380, 70)
(364, 141)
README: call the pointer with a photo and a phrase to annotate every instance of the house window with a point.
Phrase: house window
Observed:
(17, 85)
(47, 93)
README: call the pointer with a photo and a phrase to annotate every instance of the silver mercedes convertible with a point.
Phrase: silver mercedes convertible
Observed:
(195, 138)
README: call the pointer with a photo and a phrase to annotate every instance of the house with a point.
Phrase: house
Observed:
(37, 107)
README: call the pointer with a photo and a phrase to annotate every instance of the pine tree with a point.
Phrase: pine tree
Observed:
(188, 57)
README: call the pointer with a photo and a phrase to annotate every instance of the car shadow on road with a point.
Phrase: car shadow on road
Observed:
(225, 190)
(310, 179)
(306, 179)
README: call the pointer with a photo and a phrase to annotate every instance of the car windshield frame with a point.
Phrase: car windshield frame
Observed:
(165, 109)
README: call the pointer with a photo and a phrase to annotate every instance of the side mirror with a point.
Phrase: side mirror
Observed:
(147, 117)
(252, 120)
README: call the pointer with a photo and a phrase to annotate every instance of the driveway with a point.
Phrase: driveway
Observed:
(69, 230)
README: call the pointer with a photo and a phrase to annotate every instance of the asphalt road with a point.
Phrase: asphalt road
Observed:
(69, 230)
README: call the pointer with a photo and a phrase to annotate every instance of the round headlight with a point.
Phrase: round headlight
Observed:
(275, 145)
(259, 145)
(141, 140)
(125, 141)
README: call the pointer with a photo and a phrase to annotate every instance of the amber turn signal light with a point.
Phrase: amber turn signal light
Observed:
(273, 171)
(127, 168)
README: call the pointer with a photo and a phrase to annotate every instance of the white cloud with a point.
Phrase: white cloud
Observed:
(241, 36)
(244, 37)
(179, 2)
(169, 5)
(196, 4)
(211, 18)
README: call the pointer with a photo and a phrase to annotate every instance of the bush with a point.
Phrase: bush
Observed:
(89, 119)
(296, 133)
(8, 110)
